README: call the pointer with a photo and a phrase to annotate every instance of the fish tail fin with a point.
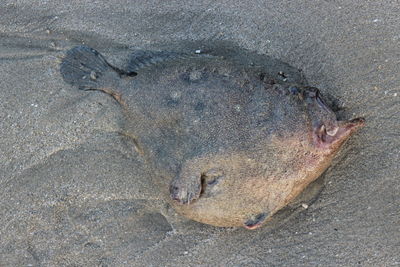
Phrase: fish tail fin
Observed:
(87, 69)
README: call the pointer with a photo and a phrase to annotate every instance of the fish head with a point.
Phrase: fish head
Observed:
(245, 187)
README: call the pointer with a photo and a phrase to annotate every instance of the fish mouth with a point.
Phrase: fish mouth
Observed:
(327, 132)
(333, 138)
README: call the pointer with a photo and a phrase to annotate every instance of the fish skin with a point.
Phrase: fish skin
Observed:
(235, 144)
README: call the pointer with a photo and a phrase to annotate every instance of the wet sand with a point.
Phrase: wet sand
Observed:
(71, 188)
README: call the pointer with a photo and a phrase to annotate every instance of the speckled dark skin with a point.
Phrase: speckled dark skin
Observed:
(236, 145)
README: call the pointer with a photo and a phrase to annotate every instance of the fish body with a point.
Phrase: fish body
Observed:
(234, 144)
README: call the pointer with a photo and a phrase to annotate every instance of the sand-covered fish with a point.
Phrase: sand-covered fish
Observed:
(235, 144)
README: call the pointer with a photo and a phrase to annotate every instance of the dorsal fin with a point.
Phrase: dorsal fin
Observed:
(143, 58)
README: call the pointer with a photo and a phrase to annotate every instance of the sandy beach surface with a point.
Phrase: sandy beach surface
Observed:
(72, 189)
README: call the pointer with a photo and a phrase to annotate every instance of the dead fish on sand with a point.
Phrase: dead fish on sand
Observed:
(235, 144)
